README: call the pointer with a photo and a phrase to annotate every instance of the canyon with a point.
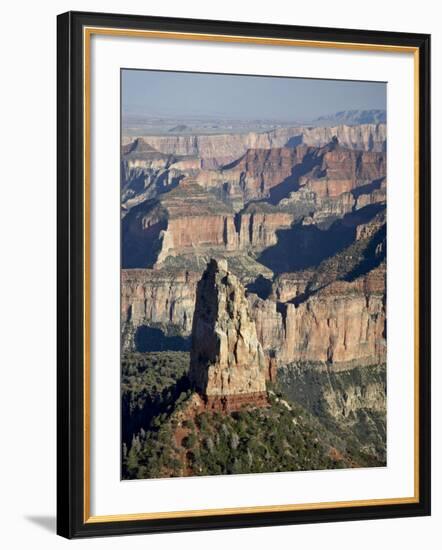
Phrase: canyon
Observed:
(342, 323)
(334, 211)
(259, 258)
(245, 204)
(220, 148)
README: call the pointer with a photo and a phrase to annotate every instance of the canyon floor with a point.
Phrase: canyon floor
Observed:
(293, 221)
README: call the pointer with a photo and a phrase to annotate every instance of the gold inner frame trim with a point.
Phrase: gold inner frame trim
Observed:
(87, 34)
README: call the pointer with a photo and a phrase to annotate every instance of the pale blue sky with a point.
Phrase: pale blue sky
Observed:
(175, 94)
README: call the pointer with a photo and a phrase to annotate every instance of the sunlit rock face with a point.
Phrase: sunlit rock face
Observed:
(224, 148)
(275, 204)
(226, 360)
(342, 325)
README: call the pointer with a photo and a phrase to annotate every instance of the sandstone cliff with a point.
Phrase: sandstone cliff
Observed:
(156, 298)
(190, 221)
(228, 147)
(328, 171)
(200, 214)
(258, 171)
(342, 170)
(278, 210)
(226, 360)
(332, 314)
(342, 324)
(299, 310)
(258, 229)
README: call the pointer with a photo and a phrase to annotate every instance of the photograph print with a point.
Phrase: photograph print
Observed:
(253, 274)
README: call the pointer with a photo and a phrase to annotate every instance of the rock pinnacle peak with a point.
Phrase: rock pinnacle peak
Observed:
(227, 363)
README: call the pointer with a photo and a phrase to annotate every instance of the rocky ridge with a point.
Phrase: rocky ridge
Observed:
(220, 149)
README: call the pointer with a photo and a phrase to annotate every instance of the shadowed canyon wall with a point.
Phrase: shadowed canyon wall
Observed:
(298, 213)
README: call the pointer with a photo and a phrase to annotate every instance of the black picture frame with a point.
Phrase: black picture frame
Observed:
(71, 520)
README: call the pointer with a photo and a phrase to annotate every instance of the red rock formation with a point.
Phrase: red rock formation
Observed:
(194, 233)
(201, 212)
(342, 323)
(343, 170)
(232, 403)
(327, 172)
(189, 220)
(187, 234)
(178, 222)
(198, 404)
(260, 170)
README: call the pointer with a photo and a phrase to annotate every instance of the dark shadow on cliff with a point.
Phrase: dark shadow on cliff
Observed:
(154, 339)
(368, 188)
(306, 246)
(206, 315)
(312, 162)
(294, 141)
(140, 245)
(291, 183)
(136, 184)
(260, 286)
(373, 255)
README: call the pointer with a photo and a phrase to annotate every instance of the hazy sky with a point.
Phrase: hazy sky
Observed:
(178, 94)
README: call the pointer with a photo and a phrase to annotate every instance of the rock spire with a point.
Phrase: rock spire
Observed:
(227, 364)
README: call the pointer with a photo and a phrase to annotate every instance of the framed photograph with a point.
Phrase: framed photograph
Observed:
(243, 339)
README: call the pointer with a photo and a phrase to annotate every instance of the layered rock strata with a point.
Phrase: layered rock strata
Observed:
(156, 298)
(188, 220)
(226, 148)
(198, 213)
(227, 364)
(341, 324)
(327, 171)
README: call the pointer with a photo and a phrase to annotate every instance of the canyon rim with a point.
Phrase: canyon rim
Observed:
(253, 274)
